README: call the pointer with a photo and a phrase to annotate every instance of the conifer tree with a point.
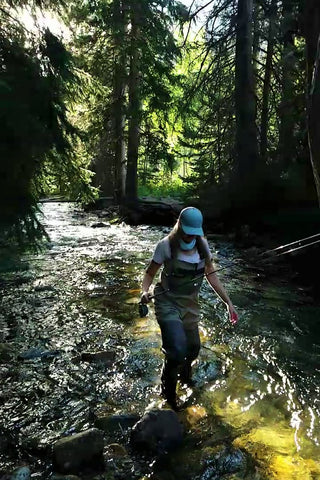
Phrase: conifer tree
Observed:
(36, 79)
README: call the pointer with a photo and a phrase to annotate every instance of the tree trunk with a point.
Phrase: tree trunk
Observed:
(245, 105)
(255, 43)
(119, 86)
(134, 106)
(286, 148)
(312, 34)
(102, 164)
(267, 82)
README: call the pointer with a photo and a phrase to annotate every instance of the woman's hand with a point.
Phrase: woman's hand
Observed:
(145, 297)
(233, 316)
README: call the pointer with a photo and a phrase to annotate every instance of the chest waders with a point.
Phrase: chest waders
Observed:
(177, 312)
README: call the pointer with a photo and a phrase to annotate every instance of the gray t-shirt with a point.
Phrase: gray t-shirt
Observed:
(162, 252)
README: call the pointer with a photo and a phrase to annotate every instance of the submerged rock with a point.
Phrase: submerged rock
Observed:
(206, 372)
(65, 477)
(224, 461)
(107, 357)
(5, 372)
(6, 353)
(44, 288)
(83, 449)
(22, 473)
(158, 431)
(100, 225)
(232, 461)
(34, 353)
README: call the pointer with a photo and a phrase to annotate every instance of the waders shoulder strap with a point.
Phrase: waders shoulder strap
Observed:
(201, 248)
(174, 247)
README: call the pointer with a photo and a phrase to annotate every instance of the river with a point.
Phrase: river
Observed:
(257, 384)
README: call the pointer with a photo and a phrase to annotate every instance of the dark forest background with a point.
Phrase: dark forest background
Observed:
(217, 106)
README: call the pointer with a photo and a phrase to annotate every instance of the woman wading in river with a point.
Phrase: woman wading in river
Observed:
(186, 259)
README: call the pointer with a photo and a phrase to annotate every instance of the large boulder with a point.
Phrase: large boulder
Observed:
(84, 449)
(151, 211)
(158, 431)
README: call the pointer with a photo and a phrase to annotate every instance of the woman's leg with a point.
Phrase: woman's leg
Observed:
(174, 345)
(193, 347)
(193, 342)
(174, 340)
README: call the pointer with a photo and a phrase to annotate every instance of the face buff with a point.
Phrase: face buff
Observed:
(187, 246)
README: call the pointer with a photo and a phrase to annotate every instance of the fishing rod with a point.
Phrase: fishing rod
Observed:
(143, 307)
(297, 242)
(298, 248)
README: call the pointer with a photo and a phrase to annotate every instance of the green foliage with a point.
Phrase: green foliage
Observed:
(164, 185)
(36, 136)
(207, 134)
(102, 54)
(57, 109)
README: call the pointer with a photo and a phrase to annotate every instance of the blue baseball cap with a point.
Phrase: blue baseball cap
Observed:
(191, 221)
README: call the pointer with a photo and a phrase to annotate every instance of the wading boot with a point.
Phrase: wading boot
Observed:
(186, 374)
(169, 383)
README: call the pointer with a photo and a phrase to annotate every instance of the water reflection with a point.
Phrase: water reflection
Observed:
(257, 385)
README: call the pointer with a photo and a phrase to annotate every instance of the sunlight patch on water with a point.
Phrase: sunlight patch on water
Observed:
(295, 423)
(261, 422)
(293, 467)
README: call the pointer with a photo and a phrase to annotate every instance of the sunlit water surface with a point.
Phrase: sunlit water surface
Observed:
(257, 384)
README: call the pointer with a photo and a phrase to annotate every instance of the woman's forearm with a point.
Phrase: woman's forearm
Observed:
(220, 291)
(149, 276)
(217, 286)
(146, 282)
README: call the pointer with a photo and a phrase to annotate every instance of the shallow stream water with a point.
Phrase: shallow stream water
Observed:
(257, 384)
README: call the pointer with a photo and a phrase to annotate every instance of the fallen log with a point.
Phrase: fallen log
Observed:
(152, 212)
